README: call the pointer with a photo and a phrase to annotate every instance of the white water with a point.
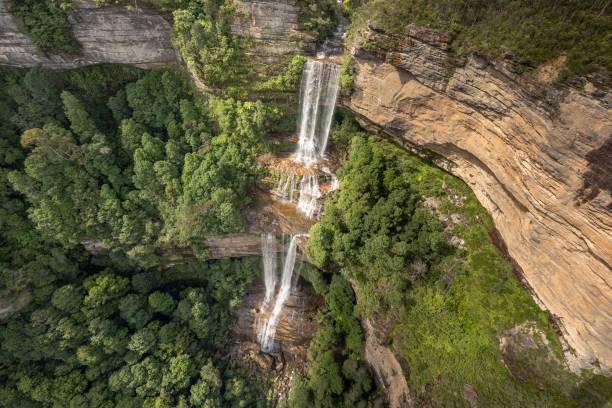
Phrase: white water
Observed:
(268, 249)
(286, 187)
(268, 331)
(335, 182)
(310, 194)
(318, 94)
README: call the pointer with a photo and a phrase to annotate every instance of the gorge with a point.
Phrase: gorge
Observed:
(144, 198)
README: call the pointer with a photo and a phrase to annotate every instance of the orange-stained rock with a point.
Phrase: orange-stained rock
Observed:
(538, 159)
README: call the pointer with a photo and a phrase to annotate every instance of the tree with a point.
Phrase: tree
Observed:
(206, 392)
(67, 298)
(161, 302)
(142, 341)
(134, 310)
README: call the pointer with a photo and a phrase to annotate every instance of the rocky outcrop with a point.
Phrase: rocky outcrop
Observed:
(387, 370)
(107, 35)
(272, 27)
(537, 158)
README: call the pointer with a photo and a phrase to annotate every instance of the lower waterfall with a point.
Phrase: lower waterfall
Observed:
(268, 250)
(267, 331)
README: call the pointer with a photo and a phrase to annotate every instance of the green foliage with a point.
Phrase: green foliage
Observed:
(319, 17)
(336, 374)
(288, 80)
(160, 166)
(202, 33)
(161, 302)
(533, 31)
(45, 22)
(346, 75)
(116, 353)
(444, 307)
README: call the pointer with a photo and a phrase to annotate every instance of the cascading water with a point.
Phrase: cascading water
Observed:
(268, 249)
(308, 203)
(318, 94)
(268, 331)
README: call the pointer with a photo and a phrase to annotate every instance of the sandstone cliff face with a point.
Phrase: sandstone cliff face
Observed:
(107, 35)
(273, 31)
(537, 159)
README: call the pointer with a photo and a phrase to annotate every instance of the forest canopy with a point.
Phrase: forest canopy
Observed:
(142, 165)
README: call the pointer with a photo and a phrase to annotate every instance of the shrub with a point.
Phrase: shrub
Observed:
(47, 26)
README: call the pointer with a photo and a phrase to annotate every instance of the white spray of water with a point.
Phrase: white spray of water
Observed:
(310, 193)
(268, 331)
(318, 94)
(286, 187)
(268, 249)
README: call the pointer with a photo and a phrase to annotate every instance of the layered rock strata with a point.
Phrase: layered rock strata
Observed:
(107, 35)
(273, 33)
(534, 156)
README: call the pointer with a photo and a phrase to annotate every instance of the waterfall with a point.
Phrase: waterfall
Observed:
(268, 331)
(268, 249)
(318, 94)
(308, 203)
(286, 187)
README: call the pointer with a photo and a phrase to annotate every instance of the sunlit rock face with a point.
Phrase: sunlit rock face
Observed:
(107, 35)
(534, 156)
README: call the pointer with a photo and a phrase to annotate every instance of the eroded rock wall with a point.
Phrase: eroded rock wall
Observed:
(272, 27)
(107, 35)
(526, 150)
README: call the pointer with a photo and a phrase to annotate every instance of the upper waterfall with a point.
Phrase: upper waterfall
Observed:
(318, 93)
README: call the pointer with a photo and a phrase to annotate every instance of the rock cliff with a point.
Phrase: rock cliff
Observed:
(107, 35)
(539, 160)
(272, 27)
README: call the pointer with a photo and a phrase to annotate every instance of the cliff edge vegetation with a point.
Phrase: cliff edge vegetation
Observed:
(533, 32)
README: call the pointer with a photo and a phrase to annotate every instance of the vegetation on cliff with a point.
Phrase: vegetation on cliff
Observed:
(337, 376)
(533, 31)
(202, 33)
(47, 25)
(416, 243)
(134, 164)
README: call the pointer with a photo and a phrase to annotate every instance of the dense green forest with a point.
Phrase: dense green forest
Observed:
(417, 245)
(110, 153)
(135, 164)
(101, 335)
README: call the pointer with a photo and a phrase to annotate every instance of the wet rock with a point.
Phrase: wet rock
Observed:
(296, 326)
